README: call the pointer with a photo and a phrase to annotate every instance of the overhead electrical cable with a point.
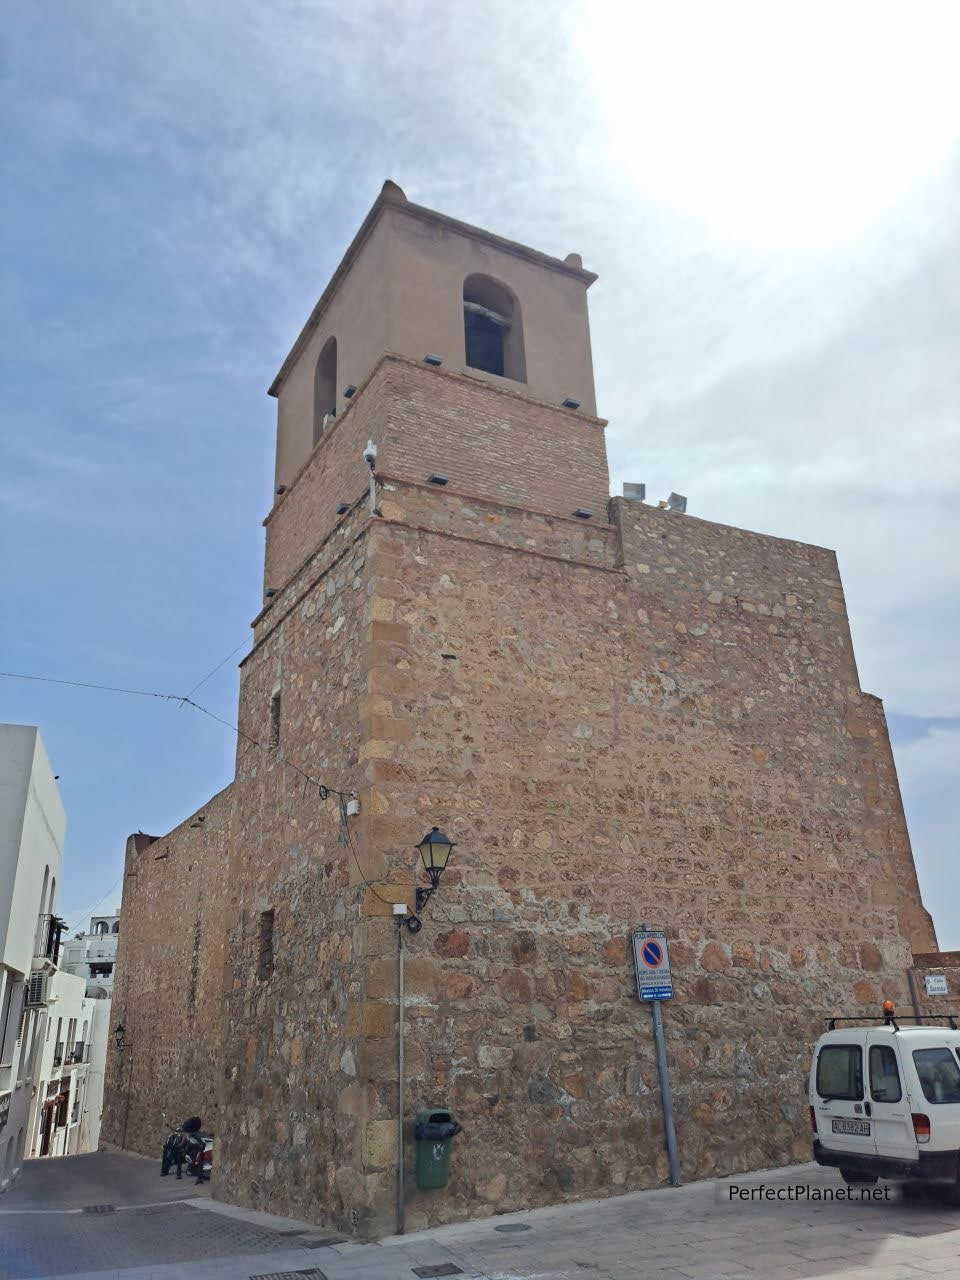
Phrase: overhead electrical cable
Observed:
(243, 643)
(324, 790)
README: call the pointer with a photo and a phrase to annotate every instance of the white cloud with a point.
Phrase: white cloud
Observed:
(775, 124)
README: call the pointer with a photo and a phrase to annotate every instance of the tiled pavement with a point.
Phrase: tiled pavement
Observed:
(690, 1233)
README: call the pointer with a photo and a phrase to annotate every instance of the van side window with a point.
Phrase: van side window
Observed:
(884, 1076)
(840, 1072)
(939, 1074)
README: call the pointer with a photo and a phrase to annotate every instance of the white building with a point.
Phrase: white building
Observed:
(32, 827)
(93, 955)
(68, 1083)
(53, 1036)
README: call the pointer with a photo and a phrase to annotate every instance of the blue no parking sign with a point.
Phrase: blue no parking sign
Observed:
(653, 965)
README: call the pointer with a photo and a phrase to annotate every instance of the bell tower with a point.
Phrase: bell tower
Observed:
(419, 284)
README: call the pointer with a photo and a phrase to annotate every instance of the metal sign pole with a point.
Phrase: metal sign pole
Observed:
(401, 1224)
(665, 1094)
(655, 984)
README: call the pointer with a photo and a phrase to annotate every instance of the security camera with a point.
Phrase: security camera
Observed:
(370, 454)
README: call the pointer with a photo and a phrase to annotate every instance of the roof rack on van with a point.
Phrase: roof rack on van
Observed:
(890, 1021)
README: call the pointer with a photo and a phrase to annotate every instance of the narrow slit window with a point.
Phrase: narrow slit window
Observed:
(265, 949)
(273, 739)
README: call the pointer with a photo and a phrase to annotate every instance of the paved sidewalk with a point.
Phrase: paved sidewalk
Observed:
(702, 1232)
(697, 1232)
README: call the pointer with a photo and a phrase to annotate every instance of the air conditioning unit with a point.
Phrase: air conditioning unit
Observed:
(37, 988)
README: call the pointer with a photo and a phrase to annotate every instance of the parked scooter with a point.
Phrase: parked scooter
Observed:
(186, 1145)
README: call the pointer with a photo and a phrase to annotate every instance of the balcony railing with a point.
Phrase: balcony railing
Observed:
(48, 938)
(58, 1056)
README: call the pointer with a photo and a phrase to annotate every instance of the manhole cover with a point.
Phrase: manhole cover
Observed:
(311, 1273)
(99, 1208)
(512, 1226)
(443, 1269)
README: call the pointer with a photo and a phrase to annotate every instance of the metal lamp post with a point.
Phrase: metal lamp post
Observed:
(434, 849)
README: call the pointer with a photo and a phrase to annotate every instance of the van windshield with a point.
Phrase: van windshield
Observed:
(939, 1074)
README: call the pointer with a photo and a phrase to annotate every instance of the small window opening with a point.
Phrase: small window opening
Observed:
(265, 951)
(493, 330)
(325, 389)
(273, 740)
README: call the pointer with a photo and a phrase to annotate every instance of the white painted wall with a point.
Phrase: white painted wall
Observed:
(32, 829)
(93, 948)
(101, 1031)
(68, 1004)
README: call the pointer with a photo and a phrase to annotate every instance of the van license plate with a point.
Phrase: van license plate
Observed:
(860, 1127)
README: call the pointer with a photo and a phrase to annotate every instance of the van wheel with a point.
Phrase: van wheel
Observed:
(863, 1179)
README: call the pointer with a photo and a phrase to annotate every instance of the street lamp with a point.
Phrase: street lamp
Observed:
(118, 1035)
(435, 848)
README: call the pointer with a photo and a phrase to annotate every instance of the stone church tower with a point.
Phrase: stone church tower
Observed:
(619, 713)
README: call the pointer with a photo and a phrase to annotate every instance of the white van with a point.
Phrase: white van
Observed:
(885, 1100)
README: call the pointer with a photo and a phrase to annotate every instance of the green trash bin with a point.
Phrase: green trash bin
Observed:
(433, 1131)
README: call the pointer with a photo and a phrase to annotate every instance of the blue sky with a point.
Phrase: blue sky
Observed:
(770, 198)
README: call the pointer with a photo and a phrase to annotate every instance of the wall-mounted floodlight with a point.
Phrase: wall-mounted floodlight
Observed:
(634, 492)
(436, 477)
(570, 403)
(676, 502)
(583, 513)
(349, 392)
(343, 508)
(270, 592)
(281, 488)
(434, 360)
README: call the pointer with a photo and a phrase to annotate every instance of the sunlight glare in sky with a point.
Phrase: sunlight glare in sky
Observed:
(776, 124)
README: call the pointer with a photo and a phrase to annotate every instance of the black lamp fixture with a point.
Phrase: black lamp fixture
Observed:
(119, 1033)
(434, 849)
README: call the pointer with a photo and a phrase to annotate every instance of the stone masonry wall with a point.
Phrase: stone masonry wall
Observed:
(638, 717)
(169, 981)
(680, 740)
(293, 1107)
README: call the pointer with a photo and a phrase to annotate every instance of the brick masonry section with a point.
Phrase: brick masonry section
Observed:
(493, 443)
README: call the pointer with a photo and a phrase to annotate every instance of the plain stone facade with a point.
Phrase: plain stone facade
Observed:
(637, 716)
